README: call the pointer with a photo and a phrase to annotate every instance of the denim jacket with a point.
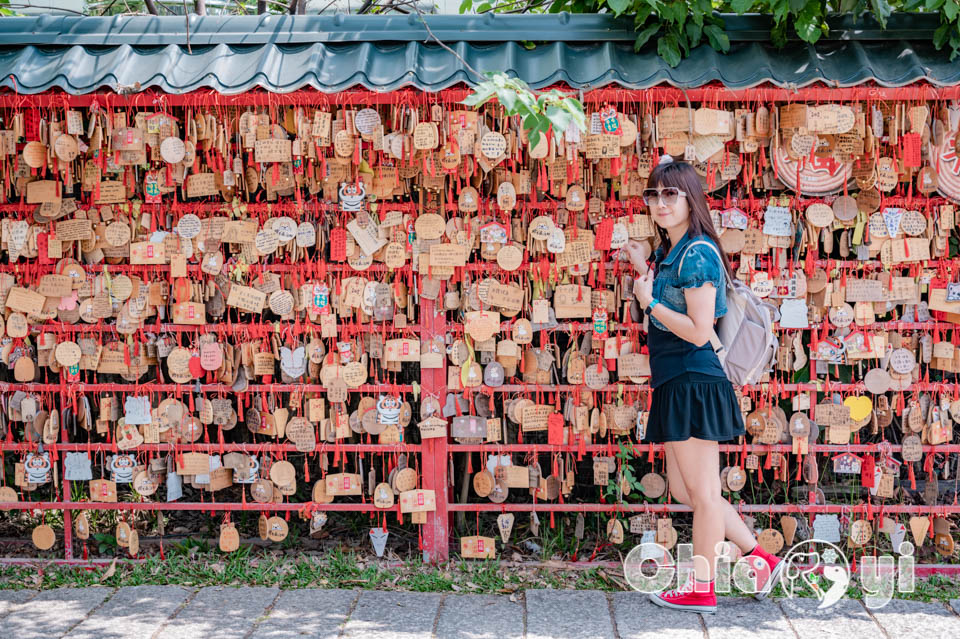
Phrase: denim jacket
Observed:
(701, 265)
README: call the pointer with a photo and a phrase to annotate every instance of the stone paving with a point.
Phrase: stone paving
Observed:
(174, 612)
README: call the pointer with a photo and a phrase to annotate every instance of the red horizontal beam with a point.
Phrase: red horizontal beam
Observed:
(92, 563)
(322, 447)
(369, 388)
(764, 386)
(97, 269)
(892, 325)
(762, 94)
(488, 507)
(254, 209)
(683, 508)
(623, 206)
(187, 388)
(194, 269)
(173, 505)
(826, 263)
(220, 328)
(208, 97)
(640, 449)
(378, 327)
(491, 448)
(95, 563)
(307, 97)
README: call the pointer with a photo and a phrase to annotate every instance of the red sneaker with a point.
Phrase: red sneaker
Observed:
(767, 570)
(685, 598)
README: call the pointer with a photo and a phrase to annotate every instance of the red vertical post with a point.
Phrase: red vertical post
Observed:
(67, 525)
(67, 514)
(433, 382)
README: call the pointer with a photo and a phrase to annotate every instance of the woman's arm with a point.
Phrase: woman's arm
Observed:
(696, 325)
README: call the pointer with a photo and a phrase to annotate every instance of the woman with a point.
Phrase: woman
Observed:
(694, 406)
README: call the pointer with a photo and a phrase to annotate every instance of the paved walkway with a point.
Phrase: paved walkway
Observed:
(172, 612)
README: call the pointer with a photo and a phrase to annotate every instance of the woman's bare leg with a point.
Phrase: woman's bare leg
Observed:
(734, 527)
(698, 461)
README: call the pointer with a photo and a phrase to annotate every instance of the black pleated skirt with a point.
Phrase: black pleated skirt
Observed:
(694, 405)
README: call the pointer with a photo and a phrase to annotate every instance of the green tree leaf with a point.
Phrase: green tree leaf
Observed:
(668, 50)
(780, 10)
(718, 39)
(941, 34)
(808, 26)
(882, 11)
(674, 12)
(508, 98)
(560, 121)
(481, 95)
(950, 9)
(644, 36)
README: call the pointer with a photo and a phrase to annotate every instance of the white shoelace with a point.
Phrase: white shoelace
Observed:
(678, 592)
(686, 588)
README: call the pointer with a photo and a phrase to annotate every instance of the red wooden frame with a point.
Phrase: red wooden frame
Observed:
(436, 453)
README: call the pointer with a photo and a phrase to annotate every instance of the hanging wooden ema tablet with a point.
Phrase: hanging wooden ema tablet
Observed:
(505, 525)
(412, 501)
(482, 325)
(615, 531)
(44, 537)
(343, 484)
(478, 547)
(771, 540)
(493, 145)
(378, 537)
(506, 196)
(229, 537)
(81, 526)
(277, 529)
(919, 527)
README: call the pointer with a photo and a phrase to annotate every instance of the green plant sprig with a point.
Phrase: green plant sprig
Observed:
(679, 26)
(538, 112)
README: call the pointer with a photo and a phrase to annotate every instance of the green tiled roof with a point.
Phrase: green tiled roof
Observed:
(333, 53)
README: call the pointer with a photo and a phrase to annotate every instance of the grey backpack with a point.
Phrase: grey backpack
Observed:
(744, 339)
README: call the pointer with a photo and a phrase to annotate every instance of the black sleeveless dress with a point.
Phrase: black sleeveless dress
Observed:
(689, 403)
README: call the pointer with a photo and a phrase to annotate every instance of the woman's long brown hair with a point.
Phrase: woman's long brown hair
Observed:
(684, 177)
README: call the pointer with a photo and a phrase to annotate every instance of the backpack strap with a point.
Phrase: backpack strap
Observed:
(718, 347)
(715, 342)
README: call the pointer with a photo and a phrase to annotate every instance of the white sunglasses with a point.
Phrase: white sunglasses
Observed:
(667, 195)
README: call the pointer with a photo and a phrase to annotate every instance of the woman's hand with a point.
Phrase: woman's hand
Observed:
(643, 288)
(638, 252)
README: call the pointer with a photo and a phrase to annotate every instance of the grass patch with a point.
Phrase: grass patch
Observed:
(195, 564)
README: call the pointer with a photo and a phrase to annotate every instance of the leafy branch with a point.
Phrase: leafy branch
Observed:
(677, 26)
(625, 454)
(539, 113)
